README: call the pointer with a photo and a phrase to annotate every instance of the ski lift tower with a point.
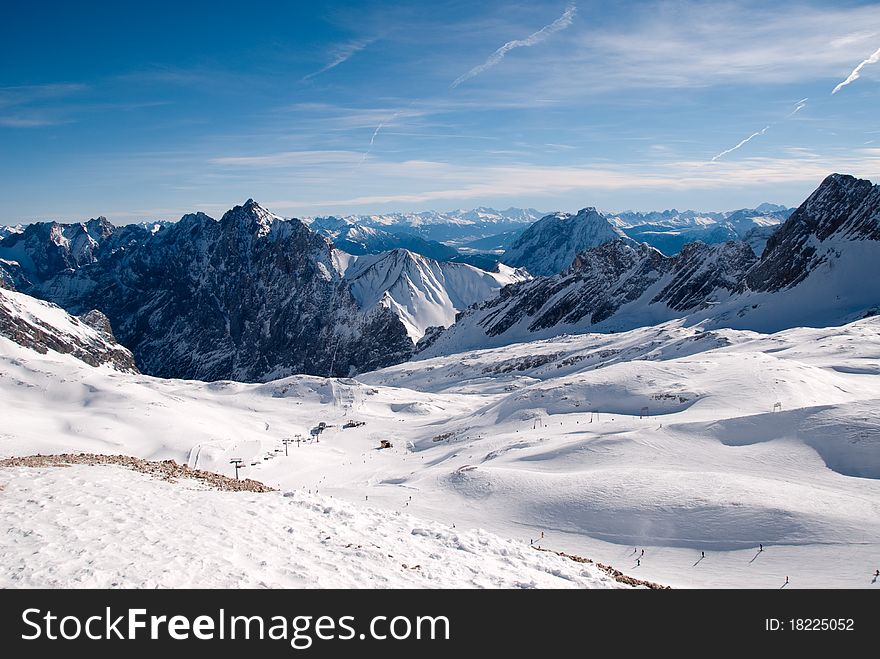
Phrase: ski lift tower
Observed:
(286, 441)
(237, 462)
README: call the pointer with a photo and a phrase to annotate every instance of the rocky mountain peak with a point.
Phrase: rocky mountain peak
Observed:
(550, 245)
(250, 217)
(841, 208)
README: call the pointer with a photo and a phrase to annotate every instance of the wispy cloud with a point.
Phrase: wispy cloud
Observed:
(288, 159)
(800, 105)
(857, 72)
(26, 94)
(24, 106)
(536, 37)
(740, 144)
(443, 182)
(687, 44)
(28, 121)
(342, 54)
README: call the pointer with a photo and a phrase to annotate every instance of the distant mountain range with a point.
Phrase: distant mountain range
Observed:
(254, 296)
(249, 297)
(481, 236)
(818, 268)
(456, 226)
(669, 231)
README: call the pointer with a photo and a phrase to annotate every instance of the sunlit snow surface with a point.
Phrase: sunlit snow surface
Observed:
(665, 438)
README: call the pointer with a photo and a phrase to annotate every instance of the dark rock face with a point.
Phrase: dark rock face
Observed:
(843, 206)
(603, 280)
(701, 272)
(21, 322)
(251, 297)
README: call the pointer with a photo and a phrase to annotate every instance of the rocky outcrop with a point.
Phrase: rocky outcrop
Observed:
(42, 326)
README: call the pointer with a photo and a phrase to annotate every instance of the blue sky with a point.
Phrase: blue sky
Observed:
(148, 111)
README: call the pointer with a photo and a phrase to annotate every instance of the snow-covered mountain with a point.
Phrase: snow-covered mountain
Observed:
(423, 292)
(43, 250)
(44, 327)
(819, 268)
(618, 285)
(549, 246)
(249, 297)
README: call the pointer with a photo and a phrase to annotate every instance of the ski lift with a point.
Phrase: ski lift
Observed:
(237, 463)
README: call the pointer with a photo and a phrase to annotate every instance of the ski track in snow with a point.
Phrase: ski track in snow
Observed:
(665, 438)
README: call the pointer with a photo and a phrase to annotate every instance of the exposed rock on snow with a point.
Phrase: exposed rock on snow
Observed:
(42, 326)
(167, 470)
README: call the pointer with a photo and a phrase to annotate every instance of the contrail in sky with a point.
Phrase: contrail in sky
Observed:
(559, 24)
(536, 37)
(343, 54)
(800, 105)
(857, 72)
(734, 148)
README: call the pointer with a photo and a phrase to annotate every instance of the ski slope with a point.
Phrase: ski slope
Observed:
(103, 527)
(666, 438)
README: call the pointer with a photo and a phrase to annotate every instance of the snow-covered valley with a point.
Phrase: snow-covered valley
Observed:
(670, 439)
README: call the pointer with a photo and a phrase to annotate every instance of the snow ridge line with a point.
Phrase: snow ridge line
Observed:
(614, 573)
(167, 470)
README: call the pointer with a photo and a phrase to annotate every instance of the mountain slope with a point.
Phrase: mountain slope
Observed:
(9, 230)
(550, 436)
(42, 326)
(611, 287)
(422, 292)
(549, 245)
(63, 514)
(819, 268)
